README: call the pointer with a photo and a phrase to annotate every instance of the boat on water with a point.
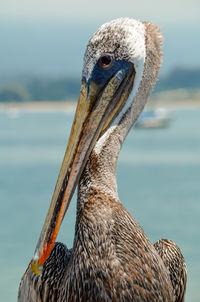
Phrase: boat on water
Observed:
(154, 119)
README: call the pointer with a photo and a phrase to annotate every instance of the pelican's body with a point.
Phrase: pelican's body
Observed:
(112, 259)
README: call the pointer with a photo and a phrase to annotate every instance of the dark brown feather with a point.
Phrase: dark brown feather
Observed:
(175, 263)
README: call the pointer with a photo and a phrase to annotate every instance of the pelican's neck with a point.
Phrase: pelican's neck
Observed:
(100, 170)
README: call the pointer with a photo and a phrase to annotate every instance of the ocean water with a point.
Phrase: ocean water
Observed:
(158, 182)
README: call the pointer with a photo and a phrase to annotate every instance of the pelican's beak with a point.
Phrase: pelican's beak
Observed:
(96, 109)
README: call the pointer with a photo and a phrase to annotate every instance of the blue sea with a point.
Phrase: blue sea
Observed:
(158, 182)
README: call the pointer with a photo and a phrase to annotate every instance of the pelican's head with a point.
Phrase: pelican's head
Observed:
(121, 63)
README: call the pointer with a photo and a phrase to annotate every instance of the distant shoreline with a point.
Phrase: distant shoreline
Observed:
(177, 104)
(67, 106)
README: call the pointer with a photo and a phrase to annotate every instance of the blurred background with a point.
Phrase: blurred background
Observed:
(41, 53)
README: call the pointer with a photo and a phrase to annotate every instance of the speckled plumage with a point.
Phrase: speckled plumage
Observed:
(175, 263)
(112, 259)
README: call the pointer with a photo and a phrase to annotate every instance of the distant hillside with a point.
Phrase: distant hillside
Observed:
(62, 88)
(180, 78)
(38, 89)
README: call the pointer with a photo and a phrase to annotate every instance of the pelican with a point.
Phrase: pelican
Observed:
(111, 259)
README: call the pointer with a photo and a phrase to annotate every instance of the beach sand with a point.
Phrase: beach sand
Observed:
(164, 100)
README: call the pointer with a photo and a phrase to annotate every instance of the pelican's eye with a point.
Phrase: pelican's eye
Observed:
(106, 61)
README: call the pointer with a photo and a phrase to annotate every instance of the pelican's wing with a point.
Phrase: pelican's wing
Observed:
(45, 287)
(175, 263)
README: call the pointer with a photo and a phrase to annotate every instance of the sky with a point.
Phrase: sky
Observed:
(158, 10)
(49, 36)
